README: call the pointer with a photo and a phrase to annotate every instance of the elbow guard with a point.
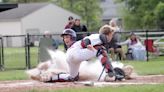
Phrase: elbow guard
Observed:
(85, 42)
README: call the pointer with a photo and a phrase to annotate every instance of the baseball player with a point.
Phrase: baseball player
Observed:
(85, 49)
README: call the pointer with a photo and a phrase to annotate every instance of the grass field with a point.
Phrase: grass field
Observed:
(153, 66)
(130, 88)
(144, 88)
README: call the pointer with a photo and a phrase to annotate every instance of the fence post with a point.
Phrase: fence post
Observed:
(147, 53)
(1, 54)
(27, 51)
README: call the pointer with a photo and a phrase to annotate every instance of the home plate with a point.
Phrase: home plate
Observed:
(86, 83)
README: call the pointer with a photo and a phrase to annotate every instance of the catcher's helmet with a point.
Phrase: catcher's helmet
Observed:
(70, 32)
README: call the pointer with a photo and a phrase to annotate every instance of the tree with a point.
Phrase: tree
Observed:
(89, 10)
(67, 4)
(23, 1)
(159, 15)
(139, 13)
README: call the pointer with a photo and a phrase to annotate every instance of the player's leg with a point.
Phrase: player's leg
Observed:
(111, 50)
(35, 73)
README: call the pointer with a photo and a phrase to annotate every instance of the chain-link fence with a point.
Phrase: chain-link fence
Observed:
(14, 52)
(22, 51)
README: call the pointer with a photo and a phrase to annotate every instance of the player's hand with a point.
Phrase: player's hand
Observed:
(90, 47)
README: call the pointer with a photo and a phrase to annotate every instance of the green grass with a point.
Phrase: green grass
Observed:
(13, 75)
(152, 67)
(129, 88)
(16, 58)
(143, 88)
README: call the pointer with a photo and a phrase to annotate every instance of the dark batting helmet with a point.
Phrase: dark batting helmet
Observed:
(70, 32)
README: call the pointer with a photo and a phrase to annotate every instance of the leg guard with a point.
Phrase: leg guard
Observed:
(61, 77)
(102, 55)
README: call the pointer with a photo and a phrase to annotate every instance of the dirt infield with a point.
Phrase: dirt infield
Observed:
(21, 85)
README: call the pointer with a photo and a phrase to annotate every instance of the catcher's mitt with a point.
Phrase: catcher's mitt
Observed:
(119, 73)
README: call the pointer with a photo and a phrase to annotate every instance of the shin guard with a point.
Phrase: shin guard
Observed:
(102, 55)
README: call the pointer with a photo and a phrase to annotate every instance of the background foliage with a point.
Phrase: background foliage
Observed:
(143, 14)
